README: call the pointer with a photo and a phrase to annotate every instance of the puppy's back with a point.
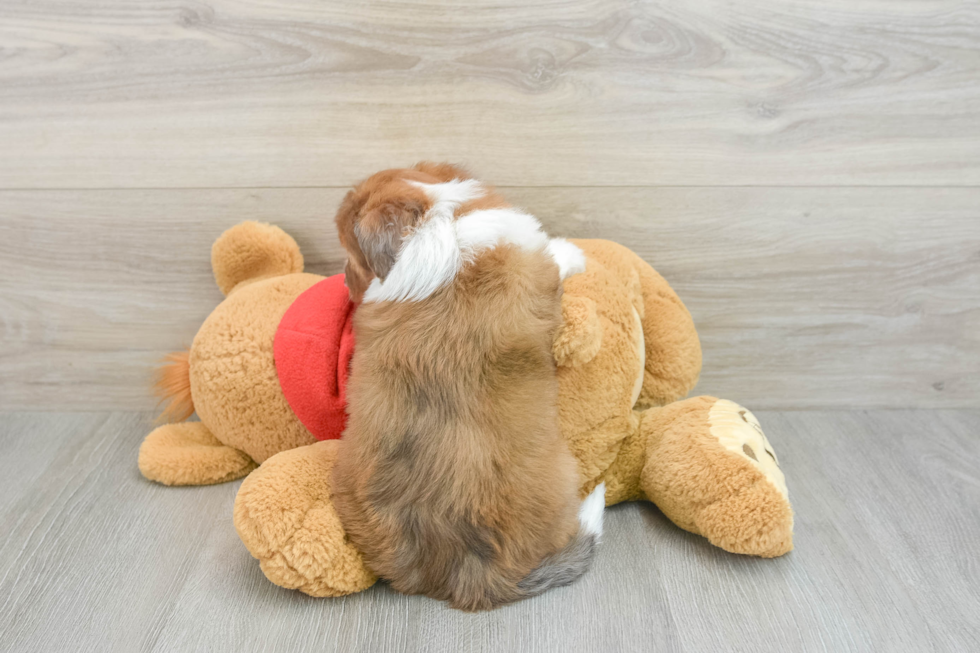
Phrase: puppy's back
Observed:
(453, 478)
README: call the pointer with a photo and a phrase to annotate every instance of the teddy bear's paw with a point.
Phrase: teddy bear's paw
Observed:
(755, 518)
(579, 337)
(738, 430)
(285, 518)
(712, 471)
(189, 454)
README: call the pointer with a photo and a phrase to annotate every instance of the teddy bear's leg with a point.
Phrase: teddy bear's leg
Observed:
(673, 350)
(670, 349)
(285, 517)
(711, 470)
(189, 454)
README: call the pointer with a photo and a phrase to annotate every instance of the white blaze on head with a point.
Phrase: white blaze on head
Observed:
(481, 230)
(432, 255)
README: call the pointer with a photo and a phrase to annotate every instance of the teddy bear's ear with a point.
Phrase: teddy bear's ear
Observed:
(579, 337)
(252, 250)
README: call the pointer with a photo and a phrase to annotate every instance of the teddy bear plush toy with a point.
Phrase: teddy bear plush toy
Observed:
(266, 375)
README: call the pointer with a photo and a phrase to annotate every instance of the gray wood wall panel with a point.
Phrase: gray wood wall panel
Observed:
(113, 93)
(804, 174)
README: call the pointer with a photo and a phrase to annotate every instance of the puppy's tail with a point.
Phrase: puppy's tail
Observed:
(570, 563)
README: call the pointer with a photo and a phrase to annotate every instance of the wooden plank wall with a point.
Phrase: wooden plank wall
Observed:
(807, 175)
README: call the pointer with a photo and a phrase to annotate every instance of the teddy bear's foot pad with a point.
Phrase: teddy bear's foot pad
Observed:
(285, 518)
(713, 472)
(189, 454)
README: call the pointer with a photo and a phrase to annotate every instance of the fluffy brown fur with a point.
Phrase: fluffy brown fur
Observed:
(453, 479)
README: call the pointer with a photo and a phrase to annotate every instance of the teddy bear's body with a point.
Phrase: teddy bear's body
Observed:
(627, 351)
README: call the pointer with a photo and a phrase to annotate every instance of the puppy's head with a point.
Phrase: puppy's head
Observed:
(373, 221)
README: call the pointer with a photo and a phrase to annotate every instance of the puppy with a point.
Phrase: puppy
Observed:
(452, 477)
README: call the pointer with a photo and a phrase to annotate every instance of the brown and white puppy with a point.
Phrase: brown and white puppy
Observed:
(452, 478)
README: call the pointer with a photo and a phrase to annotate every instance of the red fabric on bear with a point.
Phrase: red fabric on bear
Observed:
(312, 349)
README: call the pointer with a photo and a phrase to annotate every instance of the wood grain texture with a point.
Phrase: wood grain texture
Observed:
(887, 515)
(803, 297)
(221, 93)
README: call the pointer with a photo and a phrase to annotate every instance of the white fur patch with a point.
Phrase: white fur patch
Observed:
(430, 256)
(569, 257)
(591, 511)
(448, 196)
(428, 259)
(433, 254)
(483, 229)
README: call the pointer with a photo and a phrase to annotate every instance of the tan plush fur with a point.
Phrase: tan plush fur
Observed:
(253, 251)
(286, 515)
(230, 370)
(189, 454)
(453, 479)
(173, 386)
(233, 375)
(669, 453)
(740, 511)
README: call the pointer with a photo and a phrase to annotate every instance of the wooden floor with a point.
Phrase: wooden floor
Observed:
(95, 558)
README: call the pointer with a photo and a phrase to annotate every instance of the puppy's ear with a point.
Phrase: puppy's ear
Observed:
(382, 229)
(356, 281)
